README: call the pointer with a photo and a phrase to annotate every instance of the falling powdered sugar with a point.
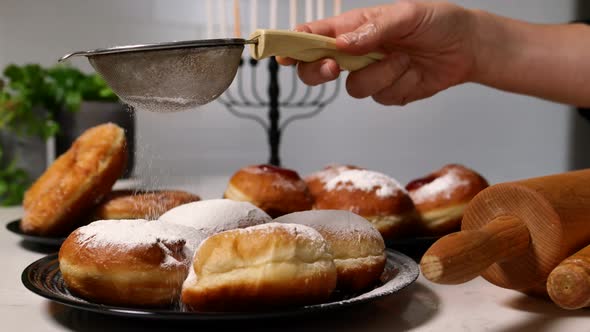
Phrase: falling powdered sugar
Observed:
(365, 180)
(444, 185)
(161, 104)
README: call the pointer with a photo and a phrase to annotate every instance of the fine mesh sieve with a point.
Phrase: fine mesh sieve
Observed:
(178, 76)
(168, 77)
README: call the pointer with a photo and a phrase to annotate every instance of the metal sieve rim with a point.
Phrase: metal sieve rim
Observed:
(162, 46)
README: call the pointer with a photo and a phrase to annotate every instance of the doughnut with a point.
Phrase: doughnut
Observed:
(259, 268)
(276, 190)
(372, 195)
(60, 199)
(317, 180)
(128, 262)
(216, 215)
(130, 204)
(358, 248)
(441, 197)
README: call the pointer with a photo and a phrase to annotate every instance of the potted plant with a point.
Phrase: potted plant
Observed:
(37, 104)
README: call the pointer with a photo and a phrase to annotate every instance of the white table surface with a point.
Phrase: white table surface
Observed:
(423, 306)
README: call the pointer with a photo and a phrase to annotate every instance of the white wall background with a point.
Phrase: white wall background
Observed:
(504, 136)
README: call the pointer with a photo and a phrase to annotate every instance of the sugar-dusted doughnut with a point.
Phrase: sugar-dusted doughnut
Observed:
(372, 195)
(216, 215)
(261, 267)
(132, 204)
(441, 197)
(358, 248)
(128, 262)
(274, 189)
(317, 180)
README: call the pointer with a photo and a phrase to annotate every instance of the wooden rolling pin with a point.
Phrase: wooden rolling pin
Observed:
(568, 284)
(514, 234)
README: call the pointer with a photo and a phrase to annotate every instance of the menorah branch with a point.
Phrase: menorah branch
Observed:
(274, 129)
(242, 115)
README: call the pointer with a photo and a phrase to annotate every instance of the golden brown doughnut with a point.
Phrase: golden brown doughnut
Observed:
(441, 197)
(372, 195)
(276, 190)
(68, 190)
(128, 262)
(131, 204)
(212, 216)
(259, 268)
(317, 180)
(358, 248)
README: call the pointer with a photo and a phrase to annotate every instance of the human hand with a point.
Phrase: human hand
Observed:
(428, 48)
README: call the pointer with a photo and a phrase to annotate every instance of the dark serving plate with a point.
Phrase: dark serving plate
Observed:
(14, 227)
(44, 278)
(414, 247)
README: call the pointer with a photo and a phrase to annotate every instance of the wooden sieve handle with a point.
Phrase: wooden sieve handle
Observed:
(305, 47)
(462, 256)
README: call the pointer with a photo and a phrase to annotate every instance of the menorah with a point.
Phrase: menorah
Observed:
(314, 99)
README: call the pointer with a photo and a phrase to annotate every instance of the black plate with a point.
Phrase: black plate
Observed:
(44, 278)
(414, 241)
(414, 247)
(14, 227)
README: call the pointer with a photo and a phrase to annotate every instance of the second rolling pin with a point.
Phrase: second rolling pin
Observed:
(568, 284)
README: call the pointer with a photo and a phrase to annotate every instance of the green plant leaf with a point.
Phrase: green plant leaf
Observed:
(13, 73)
(73, 100)
(3, 187)
(14, 181)
(51, 128)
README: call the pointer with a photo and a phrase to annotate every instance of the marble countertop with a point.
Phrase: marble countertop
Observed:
(423, 306)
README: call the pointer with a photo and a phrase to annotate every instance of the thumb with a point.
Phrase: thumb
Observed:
(383, 26)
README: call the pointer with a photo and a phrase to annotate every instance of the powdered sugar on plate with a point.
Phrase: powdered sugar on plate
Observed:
(365, 180)
(443, 186)
(400, 271)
